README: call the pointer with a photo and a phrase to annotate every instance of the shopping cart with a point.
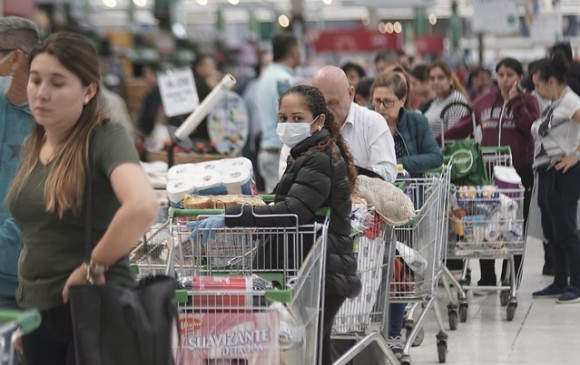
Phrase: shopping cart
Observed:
(16, 323)
(151, 255)
(487, 223)
(420, 258)
(364, 318)
(417, 244)
(250, 295)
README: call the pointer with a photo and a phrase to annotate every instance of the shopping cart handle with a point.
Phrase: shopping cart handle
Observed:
(27, 320)
(496, 149)
(174, 212)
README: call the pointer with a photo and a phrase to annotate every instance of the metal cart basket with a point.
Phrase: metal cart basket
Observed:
(249, 295)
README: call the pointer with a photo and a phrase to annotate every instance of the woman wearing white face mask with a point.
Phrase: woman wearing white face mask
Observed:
(320, 173)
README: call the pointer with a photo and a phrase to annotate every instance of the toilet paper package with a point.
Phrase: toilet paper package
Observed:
(177, 189)
(220, 177)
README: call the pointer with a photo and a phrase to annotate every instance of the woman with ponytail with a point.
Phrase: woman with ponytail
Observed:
(556, 155)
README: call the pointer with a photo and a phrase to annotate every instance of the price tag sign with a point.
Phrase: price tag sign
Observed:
(178, 92)
(495, 16)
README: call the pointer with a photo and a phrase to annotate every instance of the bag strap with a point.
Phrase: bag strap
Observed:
(88, 198)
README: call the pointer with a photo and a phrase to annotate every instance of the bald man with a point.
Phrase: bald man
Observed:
(368, 137)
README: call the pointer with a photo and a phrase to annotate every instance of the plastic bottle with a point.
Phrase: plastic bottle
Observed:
(401, 172)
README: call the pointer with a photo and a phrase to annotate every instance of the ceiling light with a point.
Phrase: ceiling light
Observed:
(284, 21)
(234, 2)
(397, 27)
(110, 3)
(140, 3)
(432, 18)
(202, 2)
(327, 2)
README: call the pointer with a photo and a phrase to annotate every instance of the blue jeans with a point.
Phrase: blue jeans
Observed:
(396, 318)
(7, 302)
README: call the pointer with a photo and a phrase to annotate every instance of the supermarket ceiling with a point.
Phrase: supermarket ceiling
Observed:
(193, 13)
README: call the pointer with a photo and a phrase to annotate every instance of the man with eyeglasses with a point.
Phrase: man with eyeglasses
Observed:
(365, 131)
(18, 37)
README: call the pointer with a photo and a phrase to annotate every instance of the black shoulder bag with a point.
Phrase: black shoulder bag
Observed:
(116, 325)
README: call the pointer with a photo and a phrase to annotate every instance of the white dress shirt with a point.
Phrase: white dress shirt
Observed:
(369, 140)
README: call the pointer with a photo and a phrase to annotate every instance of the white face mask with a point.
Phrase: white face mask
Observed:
(293, 133)
(5, 81)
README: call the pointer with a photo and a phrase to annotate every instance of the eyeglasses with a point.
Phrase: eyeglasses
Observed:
(6, 50)
(387, 103)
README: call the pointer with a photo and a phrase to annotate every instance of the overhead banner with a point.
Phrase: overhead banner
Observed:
(354, 40)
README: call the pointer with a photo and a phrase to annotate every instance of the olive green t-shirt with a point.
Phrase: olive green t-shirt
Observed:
(54, 247)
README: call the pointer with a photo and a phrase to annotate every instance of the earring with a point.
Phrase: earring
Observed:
(319, 128)
(86, 101)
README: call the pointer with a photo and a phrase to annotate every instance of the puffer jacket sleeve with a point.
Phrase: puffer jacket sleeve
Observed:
(307, 194)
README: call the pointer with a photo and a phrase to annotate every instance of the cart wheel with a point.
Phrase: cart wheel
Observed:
(453, 319)
(406, 362)
(504, 297)
(463, 312)
(442, 351)
(419, 338)
(511, 311)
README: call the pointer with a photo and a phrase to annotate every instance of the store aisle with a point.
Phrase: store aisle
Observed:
(542, 331)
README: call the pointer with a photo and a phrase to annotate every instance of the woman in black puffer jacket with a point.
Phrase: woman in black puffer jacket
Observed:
(320, 173)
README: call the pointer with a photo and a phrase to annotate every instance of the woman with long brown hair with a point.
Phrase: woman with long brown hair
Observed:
(71, 135)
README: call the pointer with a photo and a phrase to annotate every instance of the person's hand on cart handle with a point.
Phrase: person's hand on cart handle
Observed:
(79, 277)
(567, 162)
(207, 227)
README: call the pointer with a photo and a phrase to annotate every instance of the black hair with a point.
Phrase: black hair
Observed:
(282, 43)
(199, 60)
(363, 87)
(354, 66)
(316, 104)
(419, 72)
(565, 47)
(511, 63)
(556, 66)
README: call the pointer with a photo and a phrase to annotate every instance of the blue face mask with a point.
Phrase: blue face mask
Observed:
(5, 81)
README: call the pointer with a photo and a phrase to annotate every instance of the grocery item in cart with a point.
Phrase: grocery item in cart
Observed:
(412, 258)
(224, 292)
(506, 178)
(219, 201)
(213, 337)
(391, 203)
(220, 177)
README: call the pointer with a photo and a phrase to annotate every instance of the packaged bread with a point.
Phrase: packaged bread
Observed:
(198, 202)
(219, 201)
(224, 201)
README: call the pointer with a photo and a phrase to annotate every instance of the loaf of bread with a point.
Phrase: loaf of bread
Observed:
(219, 201)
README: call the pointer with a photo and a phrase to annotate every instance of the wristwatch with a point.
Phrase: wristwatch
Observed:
(94, 270)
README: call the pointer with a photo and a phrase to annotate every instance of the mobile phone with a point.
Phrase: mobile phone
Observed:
(521, 87)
